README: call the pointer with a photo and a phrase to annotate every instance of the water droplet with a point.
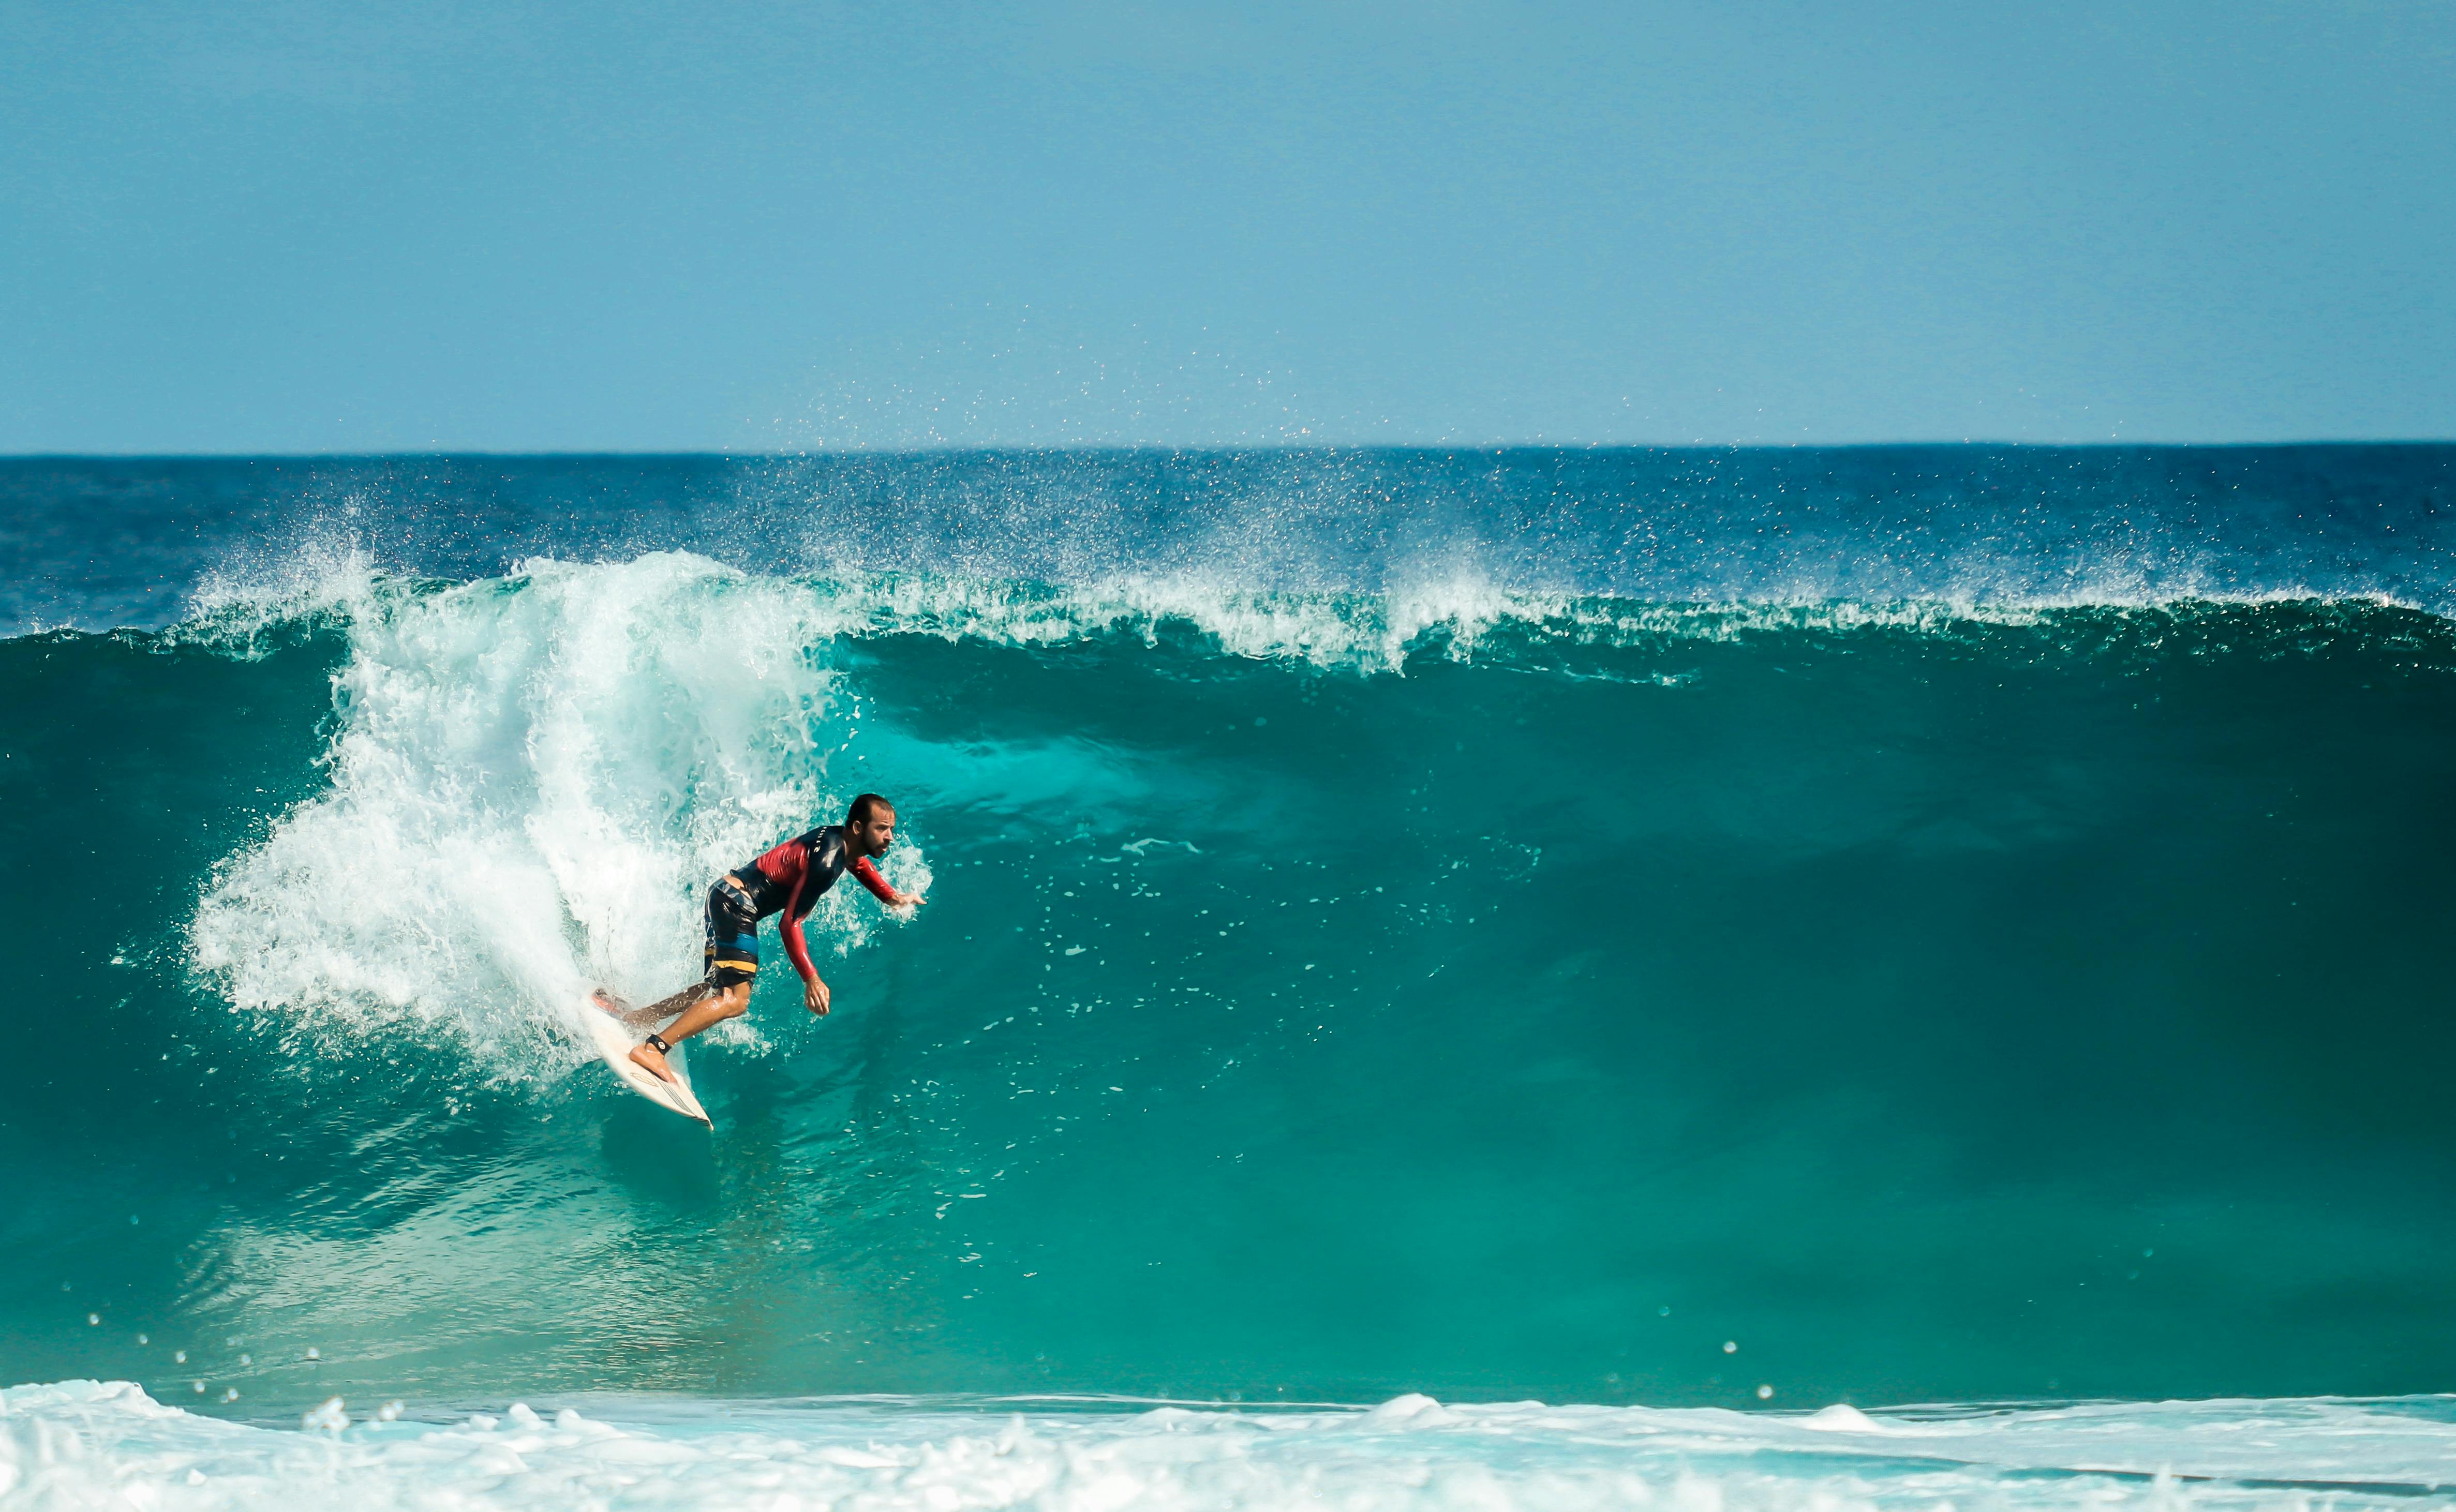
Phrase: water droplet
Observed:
(1765, 1393)
(1731, 1346)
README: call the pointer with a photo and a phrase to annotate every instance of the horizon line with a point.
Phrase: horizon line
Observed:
(1292, 448)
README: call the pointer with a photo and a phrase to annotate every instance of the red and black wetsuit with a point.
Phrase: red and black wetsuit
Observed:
(786, 880)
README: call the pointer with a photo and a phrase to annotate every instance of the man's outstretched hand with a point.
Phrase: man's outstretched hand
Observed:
(814, 996)
(908, 900)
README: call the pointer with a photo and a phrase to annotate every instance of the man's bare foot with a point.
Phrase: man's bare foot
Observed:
(610, 1002)
(647, 1056)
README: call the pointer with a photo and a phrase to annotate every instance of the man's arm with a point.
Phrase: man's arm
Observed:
(788, 925)
(878, 888)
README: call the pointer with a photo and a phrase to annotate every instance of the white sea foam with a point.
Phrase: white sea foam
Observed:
(1376, 633)
(530, 782)
(1367, 632)
(81, 1444)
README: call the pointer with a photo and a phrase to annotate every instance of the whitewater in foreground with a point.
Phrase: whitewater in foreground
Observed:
(107, 1444)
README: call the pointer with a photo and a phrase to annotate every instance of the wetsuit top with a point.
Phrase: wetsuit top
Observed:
(790, 879)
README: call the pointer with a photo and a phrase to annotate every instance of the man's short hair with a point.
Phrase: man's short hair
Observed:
(865, 805)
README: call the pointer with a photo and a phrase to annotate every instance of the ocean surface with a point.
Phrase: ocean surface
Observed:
(1886, 977)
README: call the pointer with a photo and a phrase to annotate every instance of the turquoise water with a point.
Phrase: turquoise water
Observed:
(1587, 929)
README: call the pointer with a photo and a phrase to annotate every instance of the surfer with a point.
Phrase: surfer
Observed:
(786, 880)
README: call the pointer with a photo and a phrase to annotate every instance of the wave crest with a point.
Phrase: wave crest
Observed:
(1363, 631)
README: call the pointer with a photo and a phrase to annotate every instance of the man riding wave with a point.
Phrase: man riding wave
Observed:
(787, 880)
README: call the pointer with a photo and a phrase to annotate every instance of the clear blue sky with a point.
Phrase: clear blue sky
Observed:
(311, 226)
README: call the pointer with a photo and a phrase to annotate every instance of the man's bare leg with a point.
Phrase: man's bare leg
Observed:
(710, 1008)
(656, 1013)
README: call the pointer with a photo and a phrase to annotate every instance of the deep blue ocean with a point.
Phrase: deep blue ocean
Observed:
(1700, 978)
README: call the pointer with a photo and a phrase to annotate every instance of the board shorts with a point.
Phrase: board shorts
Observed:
(732, 954)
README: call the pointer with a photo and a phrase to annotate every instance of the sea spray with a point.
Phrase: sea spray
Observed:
(531, 782)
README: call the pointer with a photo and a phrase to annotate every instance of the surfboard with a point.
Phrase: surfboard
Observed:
(614, 1040)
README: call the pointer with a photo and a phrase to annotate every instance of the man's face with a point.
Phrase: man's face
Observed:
(875, 833)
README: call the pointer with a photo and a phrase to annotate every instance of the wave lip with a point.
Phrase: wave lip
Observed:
(248, 614)
(1370, 631)
(82, 1442)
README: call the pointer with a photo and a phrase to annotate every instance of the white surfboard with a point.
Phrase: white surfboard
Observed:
(614, 1040)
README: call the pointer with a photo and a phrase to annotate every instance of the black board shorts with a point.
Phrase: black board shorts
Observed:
(732, 936)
